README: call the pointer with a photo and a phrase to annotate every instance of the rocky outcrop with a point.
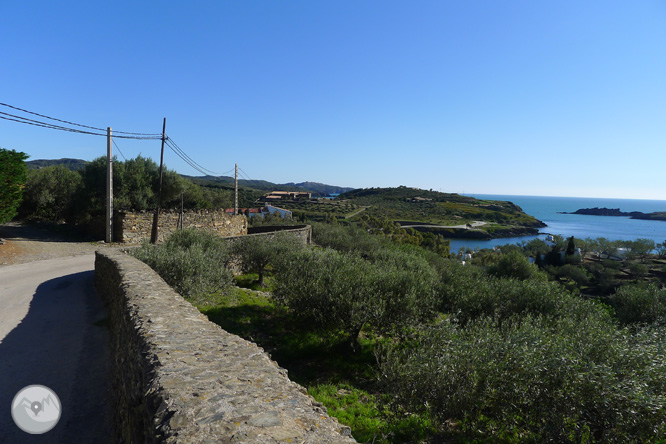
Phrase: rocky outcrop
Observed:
(616, 212)
(603, 212)
(179, 378)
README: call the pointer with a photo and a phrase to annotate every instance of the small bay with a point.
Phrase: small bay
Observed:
(548, 209)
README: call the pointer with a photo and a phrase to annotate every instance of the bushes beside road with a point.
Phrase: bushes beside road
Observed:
(474, 353)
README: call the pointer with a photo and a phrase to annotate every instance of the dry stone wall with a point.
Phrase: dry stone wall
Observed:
(179, 378)
(138, 226)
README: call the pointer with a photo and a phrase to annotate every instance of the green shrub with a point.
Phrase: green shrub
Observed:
(257, 253)
(344, 292)
(639, 304)
(345, 239)
(513, 264)
(49, 193)
(638, 270)
(470, 294)
(534, 380)
(577, 274)
(193, 262)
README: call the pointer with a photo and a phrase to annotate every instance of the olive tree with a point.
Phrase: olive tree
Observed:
(256, 253)
(12, 179)
(49, 193)
(343, 292)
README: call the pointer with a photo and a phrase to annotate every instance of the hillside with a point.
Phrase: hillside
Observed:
(72, 164)
(449, 214)
(317, 189)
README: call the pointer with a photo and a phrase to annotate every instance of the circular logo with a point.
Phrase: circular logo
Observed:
(36, 409)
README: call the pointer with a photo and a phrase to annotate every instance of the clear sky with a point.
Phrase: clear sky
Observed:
(564, 98)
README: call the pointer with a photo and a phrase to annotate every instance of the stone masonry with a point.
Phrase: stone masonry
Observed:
(138, 226)
(179, 378)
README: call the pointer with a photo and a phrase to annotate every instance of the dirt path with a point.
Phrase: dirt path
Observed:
(360, 210)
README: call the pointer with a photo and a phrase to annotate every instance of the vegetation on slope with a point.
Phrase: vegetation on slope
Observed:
(487, 352)
(428, 211)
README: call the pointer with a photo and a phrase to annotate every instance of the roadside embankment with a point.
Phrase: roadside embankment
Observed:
(179, 378)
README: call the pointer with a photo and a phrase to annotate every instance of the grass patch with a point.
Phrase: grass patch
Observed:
(344, 382)
(368, 416)
(250, 281)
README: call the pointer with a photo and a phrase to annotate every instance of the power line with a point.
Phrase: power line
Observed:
(185, 159)
(247, 177)
(103, 132)
(191, 162)
(25, 120)
(44, 124)
(75, 124)
(121, 153)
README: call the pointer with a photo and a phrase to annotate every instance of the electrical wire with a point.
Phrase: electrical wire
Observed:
(247, 177)
(121, 153)
(116, 135)
(27, 121)
(191, 161)
(186, 160)
(75, 124)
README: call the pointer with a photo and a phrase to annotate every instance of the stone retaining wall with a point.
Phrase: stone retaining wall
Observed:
(179, 378)
(138, 226)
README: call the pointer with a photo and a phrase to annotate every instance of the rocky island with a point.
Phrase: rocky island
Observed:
(658, 215)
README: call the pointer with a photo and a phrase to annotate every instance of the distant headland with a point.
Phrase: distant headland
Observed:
(658, 215)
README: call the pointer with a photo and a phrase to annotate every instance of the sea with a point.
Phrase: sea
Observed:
(548, 210)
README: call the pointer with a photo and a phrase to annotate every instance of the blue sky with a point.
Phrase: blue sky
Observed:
(563, 98)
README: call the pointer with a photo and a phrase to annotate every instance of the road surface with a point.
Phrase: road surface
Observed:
(52, 333)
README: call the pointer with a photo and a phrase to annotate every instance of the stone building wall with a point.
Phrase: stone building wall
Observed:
(138, 226)
(179, 378)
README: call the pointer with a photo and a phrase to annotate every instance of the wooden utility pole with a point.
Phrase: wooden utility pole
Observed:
(153, 234)
(109, 187)
(236, 198)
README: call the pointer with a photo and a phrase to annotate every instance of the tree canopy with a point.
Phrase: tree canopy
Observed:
(12, 179)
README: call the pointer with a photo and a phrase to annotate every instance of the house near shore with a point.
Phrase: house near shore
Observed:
(418, 199)
(275, 196)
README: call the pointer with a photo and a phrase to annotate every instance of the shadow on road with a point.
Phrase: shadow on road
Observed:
(61, 343)
(43, 231)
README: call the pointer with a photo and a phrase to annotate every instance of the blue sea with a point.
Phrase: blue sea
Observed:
(547, 210)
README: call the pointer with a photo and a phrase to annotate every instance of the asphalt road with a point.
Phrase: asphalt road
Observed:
(52, 333)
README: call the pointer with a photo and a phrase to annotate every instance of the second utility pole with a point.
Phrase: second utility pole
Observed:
(109, 187)
(153, 234)
(236, 194)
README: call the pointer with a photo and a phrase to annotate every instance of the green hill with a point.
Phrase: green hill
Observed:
(449, 214)
(317, 189)
(72, 164)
